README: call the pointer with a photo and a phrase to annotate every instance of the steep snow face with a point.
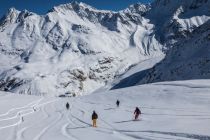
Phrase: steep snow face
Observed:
(137, 9)
(189, 59)
(73, 49)
(183, 27)
(9, 18)
(175, 19)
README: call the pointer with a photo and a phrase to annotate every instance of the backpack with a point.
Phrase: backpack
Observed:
(137, 111)
(94, 116)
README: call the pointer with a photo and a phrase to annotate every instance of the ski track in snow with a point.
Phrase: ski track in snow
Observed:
(22, 131)
(65, 126)
(19, 135)
(181, 136)
(44, 130)
(122, 134)
(19, 114)
(55, 119)
(34, 103)
(186, 116)
(112, 129)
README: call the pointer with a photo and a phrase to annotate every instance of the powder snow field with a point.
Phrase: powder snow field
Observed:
(171, 111)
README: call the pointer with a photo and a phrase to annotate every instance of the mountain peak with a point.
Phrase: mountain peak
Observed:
(12, 9)
(12, 12)
(76, 6)
(81, 4)
(138, 8)
(10, 16)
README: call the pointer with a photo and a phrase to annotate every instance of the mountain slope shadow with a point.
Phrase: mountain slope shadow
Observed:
(189, 59)
(131, 80)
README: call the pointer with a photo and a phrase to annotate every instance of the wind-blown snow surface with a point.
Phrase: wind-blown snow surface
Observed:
(171, 110)
(76, 48)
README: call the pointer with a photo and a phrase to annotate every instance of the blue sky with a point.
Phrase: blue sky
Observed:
(42, 6)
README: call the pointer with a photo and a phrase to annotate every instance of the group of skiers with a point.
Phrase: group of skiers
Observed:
(137, 112)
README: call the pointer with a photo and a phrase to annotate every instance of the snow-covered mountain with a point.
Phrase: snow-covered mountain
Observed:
(76, 48)
(175, 19)
(189, 59)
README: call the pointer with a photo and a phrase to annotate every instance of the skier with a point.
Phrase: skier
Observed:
(22, 120)
(34, 109)
(94, 118)
(67, 105)
(137, 112)
(118, 103)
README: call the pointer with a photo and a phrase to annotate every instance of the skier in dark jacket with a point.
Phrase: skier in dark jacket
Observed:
(137, 112)
(67, 105)
(94, 118)
(118, 103)
(22, 120)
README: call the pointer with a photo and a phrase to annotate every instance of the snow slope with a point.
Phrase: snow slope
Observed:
(171, 110)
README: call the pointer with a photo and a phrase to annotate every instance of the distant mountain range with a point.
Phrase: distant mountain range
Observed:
(77, 49)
